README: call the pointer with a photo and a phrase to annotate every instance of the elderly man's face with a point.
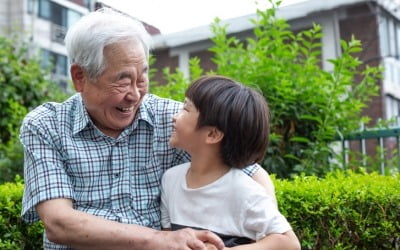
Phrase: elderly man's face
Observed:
(114, 99)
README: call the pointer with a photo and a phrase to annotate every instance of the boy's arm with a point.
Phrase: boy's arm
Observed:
(287, 241)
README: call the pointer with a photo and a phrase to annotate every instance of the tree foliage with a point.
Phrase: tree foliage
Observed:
(24, 85)
(309, 105)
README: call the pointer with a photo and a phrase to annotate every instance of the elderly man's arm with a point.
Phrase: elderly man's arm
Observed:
(67, 226)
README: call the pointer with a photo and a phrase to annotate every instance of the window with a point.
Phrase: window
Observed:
(57, 14)
(31, 7)
(44, 9)
(56, 62)
(392, 107)
(389, 36)
(392, 38)
(72, 17)
(398, 40)
(383, 36)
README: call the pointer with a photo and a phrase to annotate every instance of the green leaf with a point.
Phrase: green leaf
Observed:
(299, 139)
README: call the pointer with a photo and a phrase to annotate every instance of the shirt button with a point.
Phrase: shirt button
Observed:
(116, 176)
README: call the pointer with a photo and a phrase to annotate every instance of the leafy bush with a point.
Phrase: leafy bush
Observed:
(14, 233)
(345, 210)
(24, 85)
(308, 105)
(11, 159)
(177, 83)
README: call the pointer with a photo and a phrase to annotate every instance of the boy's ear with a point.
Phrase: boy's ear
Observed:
(78, 77)
(214, 135)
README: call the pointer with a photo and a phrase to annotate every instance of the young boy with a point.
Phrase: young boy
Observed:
(224, 126)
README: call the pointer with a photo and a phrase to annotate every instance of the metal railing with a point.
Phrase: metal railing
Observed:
(379, 135)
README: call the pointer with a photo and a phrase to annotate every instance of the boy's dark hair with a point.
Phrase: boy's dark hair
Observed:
(238, 111)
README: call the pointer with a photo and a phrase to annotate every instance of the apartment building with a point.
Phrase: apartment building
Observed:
(44, 23)
(375, 22)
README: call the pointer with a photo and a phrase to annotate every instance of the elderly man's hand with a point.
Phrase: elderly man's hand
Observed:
(188, 238)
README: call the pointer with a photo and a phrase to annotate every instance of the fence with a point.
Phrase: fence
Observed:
(377, 134)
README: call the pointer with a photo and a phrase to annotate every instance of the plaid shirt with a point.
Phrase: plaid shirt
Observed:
(66, 156)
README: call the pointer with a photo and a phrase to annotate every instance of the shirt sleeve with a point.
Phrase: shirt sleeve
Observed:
(44, 175)
(165, 220)
(263, 218)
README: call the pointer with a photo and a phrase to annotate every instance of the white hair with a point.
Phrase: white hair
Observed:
(86, 39)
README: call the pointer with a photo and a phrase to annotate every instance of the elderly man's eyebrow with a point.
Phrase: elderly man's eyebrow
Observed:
(122, 75)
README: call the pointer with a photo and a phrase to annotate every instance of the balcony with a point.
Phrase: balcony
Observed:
(57, 33)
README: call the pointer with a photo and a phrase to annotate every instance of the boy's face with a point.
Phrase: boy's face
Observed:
(186, 135)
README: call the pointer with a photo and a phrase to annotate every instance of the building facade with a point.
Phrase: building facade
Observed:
(44, 23)
(375, 22)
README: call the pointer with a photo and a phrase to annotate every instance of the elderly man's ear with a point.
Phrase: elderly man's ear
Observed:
(78, 76)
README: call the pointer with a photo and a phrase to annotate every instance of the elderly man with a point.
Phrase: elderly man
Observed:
(93, 163)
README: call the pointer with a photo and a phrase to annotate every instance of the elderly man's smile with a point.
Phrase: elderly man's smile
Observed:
(126, 109)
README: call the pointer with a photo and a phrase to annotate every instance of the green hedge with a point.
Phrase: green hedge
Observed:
(14, 233)
(345, 210)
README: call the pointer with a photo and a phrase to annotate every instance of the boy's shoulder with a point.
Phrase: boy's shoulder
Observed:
(245, 185)
(177, 170)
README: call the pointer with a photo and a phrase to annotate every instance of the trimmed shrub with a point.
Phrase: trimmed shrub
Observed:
(14, 233)
(24, 85)
(345, 210)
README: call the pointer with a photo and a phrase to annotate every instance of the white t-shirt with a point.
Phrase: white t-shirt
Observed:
(233, 205)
